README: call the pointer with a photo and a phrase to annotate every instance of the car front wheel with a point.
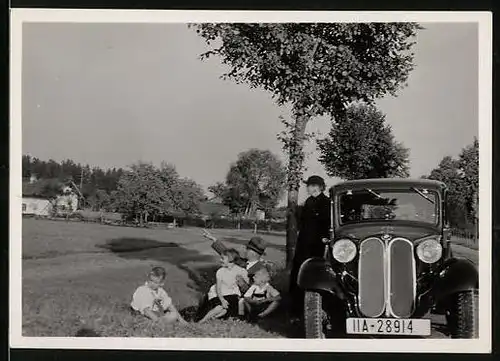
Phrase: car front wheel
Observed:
(462, 317)
(313, 315)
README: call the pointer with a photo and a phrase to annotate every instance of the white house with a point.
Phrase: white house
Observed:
(67, 201)
(36, 206)
(260, 215)
(41, 196)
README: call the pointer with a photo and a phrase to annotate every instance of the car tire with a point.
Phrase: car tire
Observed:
(313, 315)
(463, 316)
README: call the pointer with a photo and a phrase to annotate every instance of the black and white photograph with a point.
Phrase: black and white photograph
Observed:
(288, 181)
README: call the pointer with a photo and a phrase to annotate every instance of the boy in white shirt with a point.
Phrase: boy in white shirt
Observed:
(261, 298)
(152, 301)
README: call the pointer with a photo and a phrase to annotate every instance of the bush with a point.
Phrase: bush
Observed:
(95, 216)
(231, 223)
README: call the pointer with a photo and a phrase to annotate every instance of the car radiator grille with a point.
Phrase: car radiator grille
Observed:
(371, 277)
(386, 278)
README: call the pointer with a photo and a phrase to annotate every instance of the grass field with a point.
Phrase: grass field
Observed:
(82, 275)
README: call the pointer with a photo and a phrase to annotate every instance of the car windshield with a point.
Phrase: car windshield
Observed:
(369, 204)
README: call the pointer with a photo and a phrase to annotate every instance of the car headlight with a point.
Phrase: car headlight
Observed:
(429, 251)
(344, 250)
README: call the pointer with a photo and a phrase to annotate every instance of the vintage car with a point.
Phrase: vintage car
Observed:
(388, 265)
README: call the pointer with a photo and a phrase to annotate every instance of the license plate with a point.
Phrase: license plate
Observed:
(388, 326)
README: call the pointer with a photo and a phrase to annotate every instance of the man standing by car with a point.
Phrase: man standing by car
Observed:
(314, 225)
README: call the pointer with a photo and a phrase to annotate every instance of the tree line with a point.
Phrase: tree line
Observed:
(461, 175)
(91, 181)
(143, 191)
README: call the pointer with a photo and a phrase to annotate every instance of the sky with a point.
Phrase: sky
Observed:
(110, 95)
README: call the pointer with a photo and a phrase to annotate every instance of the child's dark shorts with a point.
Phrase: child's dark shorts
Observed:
(257, 309)
(232, 300)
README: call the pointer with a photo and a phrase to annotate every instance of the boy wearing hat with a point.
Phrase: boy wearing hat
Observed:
(314, 226)
(255, 249)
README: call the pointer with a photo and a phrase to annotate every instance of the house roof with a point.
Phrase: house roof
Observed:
(41, 188)
(208, 208)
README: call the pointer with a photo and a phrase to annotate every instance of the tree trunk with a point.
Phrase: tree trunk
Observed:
(291, 225)
(295, 165)
(476, 217)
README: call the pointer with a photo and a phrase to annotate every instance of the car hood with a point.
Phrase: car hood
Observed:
(409, 230)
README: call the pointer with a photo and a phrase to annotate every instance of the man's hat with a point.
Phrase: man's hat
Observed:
(257, 244)
(315, 180)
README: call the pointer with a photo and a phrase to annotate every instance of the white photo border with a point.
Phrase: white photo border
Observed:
(479, 345)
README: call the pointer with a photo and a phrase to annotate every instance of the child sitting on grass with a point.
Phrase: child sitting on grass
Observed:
(152, 301)
(261, 298)
(226, 287)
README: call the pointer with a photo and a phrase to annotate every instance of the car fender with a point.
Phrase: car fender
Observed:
(316, 274)
(455, 275)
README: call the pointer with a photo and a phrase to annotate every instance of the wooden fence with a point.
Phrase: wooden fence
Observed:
(465, 237)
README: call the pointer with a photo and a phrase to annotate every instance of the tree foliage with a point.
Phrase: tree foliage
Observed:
(317, 68)
(468, 163)
(322, 65)
(187, 196)
(461, 175)
(256, 180)
(363, 146)
(94, 180)
(146, 191)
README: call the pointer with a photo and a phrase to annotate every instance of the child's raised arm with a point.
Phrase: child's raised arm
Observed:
(217, 245)
(208, 235)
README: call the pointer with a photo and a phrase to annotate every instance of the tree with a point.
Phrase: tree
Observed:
(219, 190)
(462, 179)
(468, 163)
(315, 68)
(100, 201)
(448, 172)
(50, 188)
(146, 191)
(363, 146)
(141, 192)
(231, 196)
(256, 180)
(188, 196)
(92, 180)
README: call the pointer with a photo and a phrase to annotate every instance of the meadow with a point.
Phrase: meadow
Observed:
(82, 275)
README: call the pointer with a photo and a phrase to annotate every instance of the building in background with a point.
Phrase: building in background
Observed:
(260, 215)
(44, 197)
(214, 208)
(37, 206)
